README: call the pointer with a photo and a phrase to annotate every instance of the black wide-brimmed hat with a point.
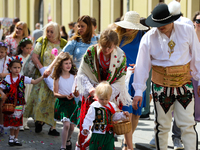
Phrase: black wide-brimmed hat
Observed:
(164, 14)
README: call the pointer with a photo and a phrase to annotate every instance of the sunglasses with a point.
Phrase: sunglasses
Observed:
(19, 28)
(197, 21)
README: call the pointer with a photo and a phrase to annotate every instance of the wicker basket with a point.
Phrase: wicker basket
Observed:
(122, 127)
(8, 108)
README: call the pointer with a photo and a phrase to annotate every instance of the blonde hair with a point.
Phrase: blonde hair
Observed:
(128, 38)
(103, 90)
(25, 29)
(56, 30)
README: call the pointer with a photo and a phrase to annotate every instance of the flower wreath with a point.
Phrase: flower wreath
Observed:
(3, 44)
(13, 58)
(25, 39)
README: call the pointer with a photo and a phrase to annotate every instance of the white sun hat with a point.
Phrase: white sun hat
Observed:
(131, 21)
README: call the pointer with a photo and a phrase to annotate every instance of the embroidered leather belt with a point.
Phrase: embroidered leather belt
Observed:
(174, 76)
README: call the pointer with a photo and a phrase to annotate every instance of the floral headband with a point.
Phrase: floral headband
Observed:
(3, 44)
(25, 39)
(14, 58)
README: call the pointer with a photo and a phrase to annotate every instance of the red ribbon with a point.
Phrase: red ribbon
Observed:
(13, 86)
(112, 110)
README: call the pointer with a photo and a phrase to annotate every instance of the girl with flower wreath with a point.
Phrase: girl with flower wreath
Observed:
(11, 88)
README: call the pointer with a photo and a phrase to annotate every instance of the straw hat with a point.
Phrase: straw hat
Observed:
(163, 14)
(131, 21)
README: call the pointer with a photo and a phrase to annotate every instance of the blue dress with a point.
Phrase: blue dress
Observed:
(78, 49)
(131, 51)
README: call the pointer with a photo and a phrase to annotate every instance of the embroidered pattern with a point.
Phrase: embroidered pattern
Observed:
(89, 59)
(120, 71)
(167, 95)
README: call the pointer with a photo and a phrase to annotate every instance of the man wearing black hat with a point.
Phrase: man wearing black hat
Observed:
(171, 49)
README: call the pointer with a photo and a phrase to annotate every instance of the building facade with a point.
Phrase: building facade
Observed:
(65, 11)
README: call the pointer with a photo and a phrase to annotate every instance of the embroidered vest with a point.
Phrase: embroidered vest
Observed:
(100, 121)
(20, 92)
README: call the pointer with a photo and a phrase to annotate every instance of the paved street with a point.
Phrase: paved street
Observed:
(42, 141)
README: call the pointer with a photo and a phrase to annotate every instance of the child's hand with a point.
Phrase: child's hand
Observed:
(69, 97)
(132, 69)
(85, 131)
(1, 75)
(126, 113)
(76, 93)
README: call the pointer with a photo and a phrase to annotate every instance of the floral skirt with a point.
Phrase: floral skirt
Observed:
(102, 141)
(40, 104)
(64, 108)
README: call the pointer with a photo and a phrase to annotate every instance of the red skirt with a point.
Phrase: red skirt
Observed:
(12, 122)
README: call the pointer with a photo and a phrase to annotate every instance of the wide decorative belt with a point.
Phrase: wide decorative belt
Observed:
(173, 76)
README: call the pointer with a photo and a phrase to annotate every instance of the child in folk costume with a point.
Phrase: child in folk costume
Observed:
(3, 73)
(23, 51)
(64, 77)
(99, 114)
(13, 84)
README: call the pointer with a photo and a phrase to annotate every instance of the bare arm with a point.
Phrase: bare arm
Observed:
(37, 80)
(36, 61)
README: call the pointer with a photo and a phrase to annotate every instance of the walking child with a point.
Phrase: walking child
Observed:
(64, 76)
(14, 85)
(99, 114)
(3, 73)
(23, 51)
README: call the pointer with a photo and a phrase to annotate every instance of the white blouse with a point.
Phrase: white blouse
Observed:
(27, 80)
(153, 50)
(24, 59)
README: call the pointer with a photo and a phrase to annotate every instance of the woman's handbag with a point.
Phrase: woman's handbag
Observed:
(29, 67)
(9, 108)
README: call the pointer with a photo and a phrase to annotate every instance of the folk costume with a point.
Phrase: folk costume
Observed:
(113, 71)
(16, 86)
(172, 59)
(64, 107)
(100, 117)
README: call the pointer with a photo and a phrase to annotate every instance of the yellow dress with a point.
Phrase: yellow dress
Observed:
(40, 103)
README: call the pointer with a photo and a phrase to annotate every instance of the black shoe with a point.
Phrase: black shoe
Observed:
(11, 142)
(17, 143)
(38, 127)
(69, 147)
(53, 132)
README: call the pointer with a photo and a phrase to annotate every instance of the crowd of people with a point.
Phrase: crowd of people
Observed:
(80, 78)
